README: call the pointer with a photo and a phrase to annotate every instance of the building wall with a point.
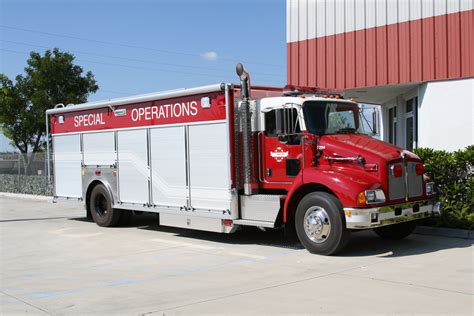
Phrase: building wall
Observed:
(445, 117)
(445, 114)
(362, 43)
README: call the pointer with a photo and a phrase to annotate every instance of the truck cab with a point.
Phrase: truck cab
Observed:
(315, 149)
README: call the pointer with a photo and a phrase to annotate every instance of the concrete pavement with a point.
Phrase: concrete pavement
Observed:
(54, 261)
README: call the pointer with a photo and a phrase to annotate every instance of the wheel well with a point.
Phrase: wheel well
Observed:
(299, 194)
(91, 187)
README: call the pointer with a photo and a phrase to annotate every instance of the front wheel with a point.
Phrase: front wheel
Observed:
(396, 231)
(320, 224)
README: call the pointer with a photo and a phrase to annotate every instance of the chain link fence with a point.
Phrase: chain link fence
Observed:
(25, 173)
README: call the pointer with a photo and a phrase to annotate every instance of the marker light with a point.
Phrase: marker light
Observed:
(420, 169)
(371, 167)
(361, 198)
(397, 171)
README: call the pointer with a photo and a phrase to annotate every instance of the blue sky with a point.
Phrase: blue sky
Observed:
(141, 46)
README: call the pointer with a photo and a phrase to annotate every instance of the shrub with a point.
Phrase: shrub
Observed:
(453, 174)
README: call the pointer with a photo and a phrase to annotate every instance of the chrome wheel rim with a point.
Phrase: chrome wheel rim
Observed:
(317, 225)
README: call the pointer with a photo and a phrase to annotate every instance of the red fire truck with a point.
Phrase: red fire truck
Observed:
(223, 156)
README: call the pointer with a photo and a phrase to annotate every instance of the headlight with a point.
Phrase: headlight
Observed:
(430, 188)
(371, 197)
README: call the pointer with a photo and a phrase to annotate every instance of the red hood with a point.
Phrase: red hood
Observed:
(364, 145)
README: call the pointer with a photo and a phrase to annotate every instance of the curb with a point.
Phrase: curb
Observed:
(26, 196)
(445, 232)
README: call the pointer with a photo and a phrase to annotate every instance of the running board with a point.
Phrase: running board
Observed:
(246, 222)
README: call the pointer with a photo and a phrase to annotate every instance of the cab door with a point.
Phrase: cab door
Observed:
(280, 144)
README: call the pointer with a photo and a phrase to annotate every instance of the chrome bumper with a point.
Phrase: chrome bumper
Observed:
(361, 218)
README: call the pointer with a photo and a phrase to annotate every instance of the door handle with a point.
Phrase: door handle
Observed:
(269, 172)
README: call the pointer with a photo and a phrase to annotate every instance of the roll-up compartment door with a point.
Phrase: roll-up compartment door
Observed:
(168, 165)
(67, 166)
(209, 166)
(99, 149)
(133, 166)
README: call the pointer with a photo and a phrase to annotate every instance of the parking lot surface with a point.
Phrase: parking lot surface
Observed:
(55, 261)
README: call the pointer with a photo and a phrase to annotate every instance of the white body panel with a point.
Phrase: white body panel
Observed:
(209, 166)
(168, 165)
(67, 166)
(99, 148)
(133, 166)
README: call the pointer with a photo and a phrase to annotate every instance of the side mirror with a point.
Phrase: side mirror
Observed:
(375, 122)
(283, 138)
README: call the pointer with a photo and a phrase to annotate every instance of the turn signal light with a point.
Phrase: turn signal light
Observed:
(361, 198)
(420, 169)
(397, 171)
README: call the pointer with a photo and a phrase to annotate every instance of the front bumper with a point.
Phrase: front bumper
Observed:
(362, 218)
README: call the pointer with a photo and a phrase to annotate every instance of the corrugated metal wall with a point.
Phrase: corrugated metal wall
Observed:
(359, 43)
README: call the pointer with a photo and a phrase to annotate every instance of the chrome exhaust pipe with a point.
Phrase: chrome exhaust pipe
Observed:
(245, 123)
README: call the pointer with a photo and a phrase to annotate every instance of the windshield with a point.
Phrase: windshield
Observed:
(332, 117)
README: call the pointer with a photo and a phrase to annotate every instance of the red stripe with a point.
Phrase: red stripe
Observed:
(371, 57)
(454, 45)
(360, 54)
(441, 47)
(303, 61)
(162, 112)
(340, 62)
(392, 53)
(331, 62)
(467, 44)
(404, 52)
(416, 69)
(382, 71)
(349, 63)
(427, 49)
(321, 62)
(312, 58)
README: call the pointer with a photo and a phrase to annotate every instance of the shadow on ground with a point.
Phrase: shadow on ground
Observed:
(361, 244)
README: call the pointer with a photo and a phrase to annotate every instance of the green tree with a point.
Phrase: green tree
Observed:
(48, 80)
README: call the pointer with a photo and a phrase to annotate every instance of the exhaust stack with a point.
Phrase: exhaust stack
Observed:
(245, 119)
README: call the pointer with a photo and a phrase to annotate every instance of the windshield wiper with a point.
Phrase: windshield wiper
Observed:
(347, 130)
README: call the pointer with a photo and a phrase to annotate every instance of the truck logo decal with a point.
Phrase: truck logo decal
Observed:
(279, 154)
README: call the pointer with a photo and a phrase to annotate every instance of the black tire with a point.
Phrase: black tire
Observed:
(101, 207)
(328, 205)
(396, 231)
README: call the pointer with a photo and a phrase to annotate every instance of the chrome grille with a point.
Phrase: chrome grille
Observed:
(408, 185)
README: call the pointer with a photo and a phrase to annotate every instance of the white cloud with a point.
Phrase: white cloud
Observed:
(210, 56)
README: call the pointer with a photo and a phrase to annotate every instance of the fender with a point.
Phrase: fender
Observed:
(97, 181)
(345, 183)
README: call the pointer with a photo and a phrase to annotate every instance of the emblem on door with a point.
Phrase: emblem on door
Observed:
(279, 154)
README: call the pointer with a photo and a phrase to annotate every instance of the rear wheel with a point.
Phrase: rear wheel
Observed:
(101, 207)
(320, 224)
(396, 231)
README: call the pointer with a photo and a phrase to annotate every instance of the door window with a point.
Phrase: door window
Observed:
(283, 123)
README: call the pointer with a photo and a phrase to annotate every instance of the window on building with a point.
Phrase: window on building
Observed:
(392, 125)
(411, 133)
